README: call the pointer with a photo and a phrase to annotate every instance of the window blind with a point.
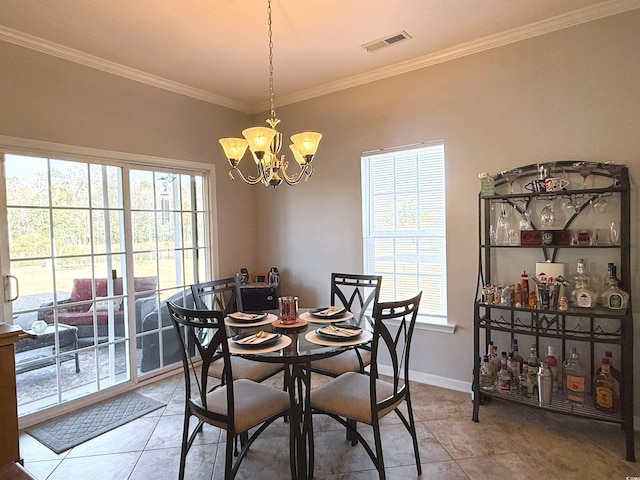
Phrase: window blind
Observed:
(404, 228)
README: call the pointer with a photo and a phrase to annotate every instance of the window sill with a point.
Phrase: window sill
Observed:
(436, 327)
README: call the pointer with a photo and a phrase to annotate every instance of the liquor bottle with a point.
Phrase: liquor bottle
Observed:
(565, 364)
(524, 284)
(486, 374)
(615, 373)
(516, 359)
(494, 362)
(606, 399)
(582, 296)
(504, 376)
(575, 379)
(533, 365)
(613, 296)
(552, 362)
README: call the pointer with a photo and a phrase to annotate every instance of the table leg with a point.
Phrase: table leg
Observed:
(298, 380)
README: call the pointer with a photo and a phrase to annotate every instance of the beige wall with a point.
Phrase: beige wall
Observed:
(572, 94)
(45, 98)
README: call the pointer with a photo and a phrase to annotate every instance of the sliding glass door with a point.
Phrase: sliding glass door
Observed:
(94, 250)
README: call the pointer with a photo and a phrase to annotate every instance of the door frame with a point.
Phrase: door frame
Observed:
(28, 147)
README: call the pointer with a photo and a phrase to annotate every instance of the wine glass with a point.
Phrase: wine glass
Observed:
(547, 215)
(511, 176)
(585, 169)
(613, 169)
(502, 227)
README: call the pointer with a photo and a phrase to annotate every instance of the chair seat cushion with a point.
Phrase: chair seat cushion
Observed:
(344, 362)
(348, 396)
(243, 368)
(254, 404)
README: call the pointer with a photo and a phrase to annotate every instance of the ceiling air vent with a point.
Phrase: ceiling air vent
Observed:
(386, 41)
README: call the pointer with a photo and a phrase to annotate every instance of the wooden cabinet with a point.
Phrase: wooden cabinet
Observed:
(581, 214)
(9, 444)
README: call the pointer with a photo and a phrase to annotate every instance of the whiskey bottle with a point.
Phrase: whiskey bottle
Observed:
(575, 379)
(582, 296)
(613, 296)
(606, 399)
(615, 373)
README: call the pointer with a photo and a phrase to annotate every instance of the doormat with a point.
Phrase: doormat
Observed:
(65, 432)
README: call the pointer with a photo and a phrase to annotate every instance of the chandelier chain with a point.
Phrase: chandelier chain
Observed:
(273, 112)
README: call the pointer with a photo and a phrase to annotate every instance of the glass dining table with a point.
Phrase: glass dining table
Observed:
(311, 338)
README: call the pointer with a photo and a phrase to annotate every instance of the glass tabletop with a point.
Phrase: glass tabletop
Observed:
(300, 349)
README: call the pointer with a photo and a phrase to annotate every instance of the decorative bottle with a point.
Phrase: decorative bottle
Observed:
(582, 296)
(606, 399)
(575, 379)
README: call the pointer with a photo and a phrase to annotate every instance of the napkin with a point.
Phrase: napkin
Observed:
(341, 332)
(255, 340)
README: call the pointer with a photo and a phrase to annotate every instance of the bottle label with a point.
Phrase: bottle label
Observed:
(615, 301)
(604, 397)
(575, 388)
(584, 300)
(504, 384)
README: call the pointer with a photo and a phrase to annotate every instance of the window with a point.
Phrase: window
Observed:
(404, 230)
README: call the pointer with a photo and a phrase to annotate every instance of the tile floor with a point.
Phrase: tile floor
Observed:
(509, 442)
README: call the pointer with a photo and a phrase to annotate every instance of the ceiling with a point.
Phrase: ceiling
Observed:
(217, 50)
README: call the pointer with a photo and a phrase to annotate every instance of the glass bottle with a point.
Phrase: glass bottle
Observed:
(486, 374)
(615, 373)
(613, 297)
(575, 379)
(533, 365)
(504, 376)
(552, 362)
(582, 296)
(494, 360)
(605, 399)
(516, 358)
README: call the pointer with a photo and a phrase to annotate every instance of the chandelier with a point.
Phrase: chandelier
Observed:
(265, 144)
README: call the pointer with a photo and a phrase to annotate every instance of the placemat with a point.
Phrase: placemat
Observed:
(365, 337)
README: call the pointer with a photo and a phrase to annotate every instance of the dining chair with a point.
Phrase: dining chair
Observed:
(358, 294)
(236, 405)
(224, 295)
(357, 397)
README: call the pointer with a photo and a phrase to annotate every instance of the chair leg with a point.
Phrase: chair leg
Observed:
(185, 447)
(379, 456)
(414, 434)
(228, 458)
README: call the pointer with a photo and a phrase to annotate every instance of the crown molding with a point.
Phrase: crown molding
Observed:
(54, 49)
(553, 24)
(542, 27)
